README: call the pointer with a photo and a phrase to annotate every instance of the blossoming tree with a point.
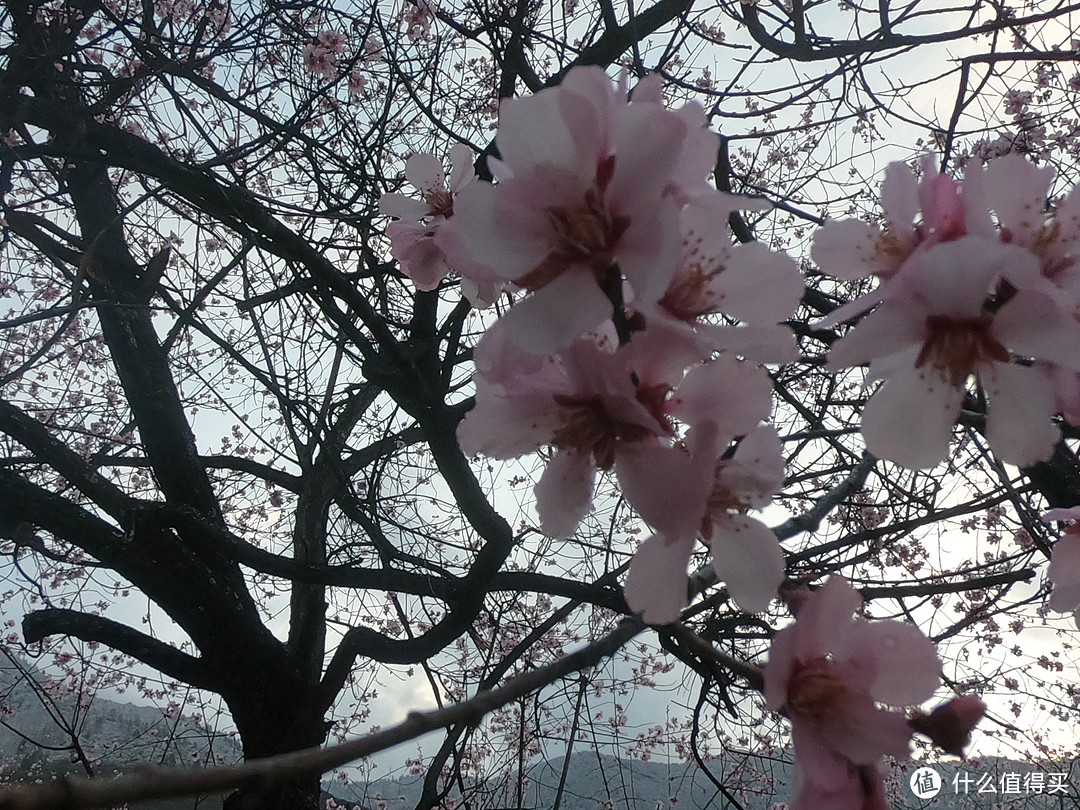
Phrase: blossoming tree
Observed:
(345, 346)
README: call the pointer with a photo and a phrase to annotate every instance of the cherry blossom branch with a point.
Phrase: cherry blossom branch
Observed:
(813, 50)
(809, 520)
(164, 657)
(262, 775)
(713, 658)
(35, 437)
(926, 588)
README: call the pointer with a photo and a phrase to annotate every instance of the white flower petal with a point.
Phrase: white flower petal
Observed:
(1018, 426)
(558, 313)
(756, 472)
(891, 328)
(850, 249)
(769, 343)
(1032, 324)
(472, 241)
(1064, 573)
(954, 278)
(864, 732)
(909, 419)
(461, 167)
(1016, 189)
(900, 199)
(747, 556)
(648, 253)
(648, 140)
(734, 394)
(532, 132)
(504, 427)
(906, 669)
(759, 285)
(656, 585)
(424, 171)
(564, 493)
(665, 487)
(402, 207)
(825, 618)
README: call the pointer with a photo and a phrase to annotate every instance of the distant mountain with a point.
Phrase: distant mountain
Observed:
(112, 736)
(597, 782)
(592, 782)
(119, 736)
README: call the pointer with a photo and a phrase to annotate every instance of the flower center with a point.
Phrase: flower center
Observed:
(590, 427)
(816, 691)
(440, 203)
(1044, 247)
(585, 235)
(722, 501)
(957, 346)
(689, 297)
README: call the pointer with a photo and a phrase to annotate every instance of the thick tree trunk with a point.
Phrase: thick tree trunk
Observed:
(269, 727)
(287, 795)
(302, 795)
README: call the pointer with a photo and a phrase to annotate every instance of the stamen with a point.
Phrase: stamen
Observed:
(958, 346)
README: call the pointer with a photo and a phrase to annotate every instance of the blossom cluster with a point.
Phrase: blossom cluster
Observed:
(829, 673)
(965, 296)
(412, 235)
(321, 54)
(324, 54)
(635, 339)
(417, 17)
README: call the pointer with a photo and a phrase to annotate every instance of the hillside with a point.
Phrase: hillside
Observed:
(116, 736)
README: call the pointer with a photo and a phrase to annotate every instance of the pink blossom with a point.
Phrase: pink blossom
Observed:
(949, 726)
(829, 673)
(358, 83)
(1017, 191)
(373, 51)
(918, 214)
(321, 54)
(412, 237)
(747, 283)
(1064, 570)
(964, 296)
(319, 61)
(588, 201)
(746, 554)
(963, 309)
(1016, 101)
(656, 584)
(418, 17)
(332, 41)
(610, 408)
(585, 403)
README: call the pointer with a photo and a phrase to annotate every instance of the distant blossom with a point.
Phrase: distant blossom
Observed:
(413, 235)
(418, 17)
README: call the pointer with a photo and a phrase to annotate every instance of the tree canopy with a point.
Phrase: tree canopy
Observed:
(230, 420)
